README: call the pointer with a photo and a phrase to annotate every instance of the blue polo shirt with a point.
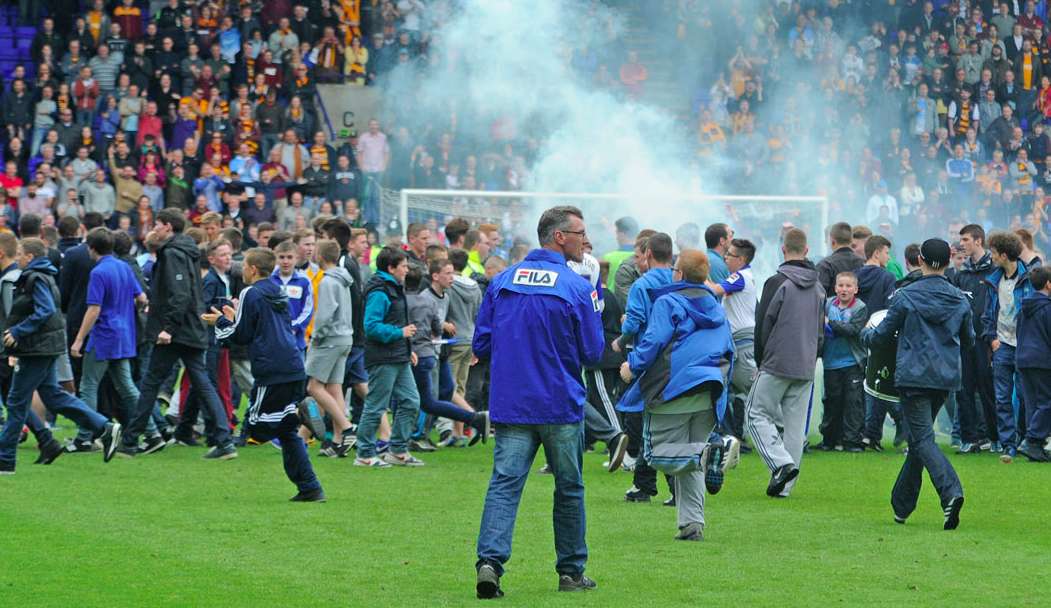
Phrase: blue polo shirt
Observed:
(113, 287)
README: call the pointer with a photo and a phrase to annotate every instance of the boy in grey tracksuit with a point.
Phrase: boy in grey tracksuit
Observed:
(789, 332)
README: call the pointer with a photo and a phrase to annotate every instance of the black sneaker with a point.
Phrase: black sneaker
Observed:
(724, 452)
(952, 513)
(222, 452)
(780, 478)
(7, 468)
(329, 449)
(128, 451)
(1034, 453)
(23, 435)
(873, 445)
(49, 451)
(898, 519)
(618, 446)
(154, 444)
(575, 583)
(317, 495)
(693, 532)
(110, 439)
(483, 428)
(636, 495)
(488, 583)
(81, 446)
(185, 440)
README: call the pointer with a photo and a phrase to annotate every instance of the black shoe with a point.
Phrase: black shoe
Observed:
(618, 446)
(185, 440)
(483, 428)
(81, 446)
(49, 452)
(7, 468)
(1034, 453)
(826, 447)
(110, 439)
(694, 532)
(419, 445)
(636, 495)
(898, 519)
(128, 451)
(577, 583)
(317, 495)
(854, 449)
(488, 585)
(780, 479)
(952, 513)
(153, 445)
(222, 452)
(872, 444)
(670, 502)
(329, 449)
(23, 435)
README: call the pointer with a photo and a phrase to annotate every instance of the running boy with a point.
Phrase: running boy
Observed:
(262, 322)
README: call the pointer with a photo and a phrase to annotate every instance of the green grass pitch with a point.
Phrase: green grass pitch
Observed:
(174, 530)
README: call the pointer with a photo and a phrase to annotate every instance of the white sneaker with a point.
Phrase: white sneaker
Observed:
(629, 463)
(373, 462)
(401, 460)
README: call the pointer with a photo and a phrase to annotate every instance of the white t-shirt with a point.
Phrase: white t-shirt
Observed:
(740, 299)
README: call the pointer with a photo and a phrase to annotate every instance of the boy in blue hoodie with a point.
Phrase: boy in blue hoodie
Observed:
(842, 359)
(263, 323)
(1034, 363)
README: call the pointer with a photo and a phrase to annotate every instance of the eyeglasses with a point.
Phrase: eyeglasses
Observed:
(730, 255)
(678, 270)
(576, 232)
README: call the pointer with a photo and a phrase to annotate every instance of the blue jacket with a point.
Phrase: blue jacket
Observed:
(933, 319)
(875, 286)
(300, 295)
(1034, 333)
(640, 302)
(213, 288)
(548, 327)
(688, 318)
(1023, 289)
(263, 324)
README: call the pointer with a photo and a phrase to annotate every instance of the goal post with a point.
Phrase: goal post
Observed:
(756, 217)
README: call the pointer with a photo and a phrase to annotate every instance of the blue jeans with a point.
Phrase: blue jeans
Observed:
(38, 374)
(93, 370)
(919, 408)
(876, 411)
(1005, 379)
(436, 407)
(516, 447)
(387, 381)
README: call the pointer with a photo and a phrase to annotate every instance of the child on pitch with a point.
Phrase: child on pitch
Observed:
(1034, 364)
(263, 322)
(842, 359)
(330, 345)
(295, 284)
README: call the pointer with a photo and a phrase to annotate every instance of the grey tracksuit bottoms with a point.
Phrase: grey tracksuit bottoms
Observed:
(779, 403)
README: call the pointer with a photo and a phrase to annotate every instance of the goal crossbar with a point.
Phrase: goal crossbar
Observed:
(686, 197)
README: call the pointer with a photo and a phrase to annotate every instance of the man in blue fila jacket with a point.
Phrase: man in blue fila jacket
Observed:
(549, 329)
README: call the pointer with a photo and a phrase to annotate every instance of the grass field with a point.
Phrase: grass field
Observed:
(174, 530)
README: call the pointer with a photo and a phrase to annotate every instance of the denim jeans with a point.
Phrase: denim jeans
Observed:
(919, 408)
(976, 401)
(516, 447)
(876, 411)
(38, 374)
(162, 360)
(1005, 379)
(386, 381)
(93, 370)
(422, 373)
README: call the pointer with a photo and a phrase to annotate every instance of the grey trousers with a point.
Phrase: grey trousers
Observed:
(779, 403)
(675, 444)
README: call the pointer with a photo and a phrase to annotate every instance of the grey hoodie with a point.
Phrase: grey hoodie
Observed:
(790, 322)
(333, 317)
(465, 297)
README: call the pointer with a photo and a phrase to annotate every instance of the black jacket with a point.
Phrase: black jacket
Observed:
(840, 260)
(35, 294)
(875, 286)
(73, 283)
(357, 298)
(932, 320)
(1034, 333)
(399, 351)
(176, 301)
(612, 311)
(970, 279)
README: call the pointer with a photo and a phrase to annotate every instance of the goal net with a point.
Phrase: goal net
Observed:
(761, 219)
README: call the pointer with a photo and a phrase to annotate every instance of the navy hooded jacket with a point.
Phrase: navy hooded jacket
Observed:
(264, 323)
(934, 319)
(687, 341)
(1034, 333)
(547, 328)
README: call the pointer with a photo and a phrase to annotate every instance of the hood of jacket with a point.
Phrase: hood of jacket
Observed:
(802, 273)
(936, 302)
(909, 279)
(184, 245)
(463, 285)
(272, 295)
(705, 312)
(1021, 273)
(984, 264)
(42, 265)
(1036, 304)
(340, 274)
